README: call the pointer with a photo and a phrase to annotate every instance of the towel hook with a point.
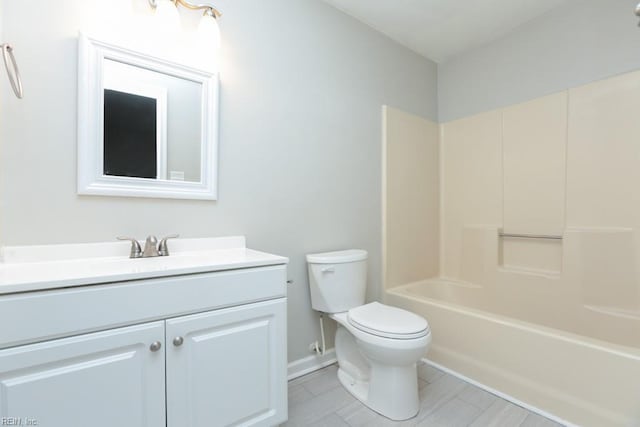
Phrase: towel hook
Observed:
(14, 75)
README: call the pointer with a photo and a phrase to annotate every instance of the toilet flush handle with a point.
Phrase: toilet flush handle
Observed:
(330, 269)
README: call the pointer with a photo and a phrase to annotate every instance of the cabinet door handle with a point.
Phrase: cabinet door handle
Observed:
(177, 341)
(155, 346)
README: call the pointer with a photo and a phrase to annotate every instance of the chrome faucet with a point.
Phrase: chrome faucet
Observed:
(163, 248)
(151, 247)
(136, 250)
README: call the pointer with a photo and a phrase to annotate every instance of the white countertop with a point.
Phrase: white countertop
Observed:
(34, 268)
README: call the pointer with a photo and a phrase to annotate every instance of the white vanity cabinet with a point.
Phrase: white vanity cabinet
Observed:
(245, 384)
(105, 379)
(187, 350)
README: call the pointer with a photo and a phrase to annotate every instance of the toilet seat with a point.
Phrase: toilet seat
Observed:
(388, 322)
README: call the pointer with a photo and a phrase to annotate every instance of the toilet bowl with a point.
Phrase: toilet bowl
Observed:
(377, 346)
(380, 371)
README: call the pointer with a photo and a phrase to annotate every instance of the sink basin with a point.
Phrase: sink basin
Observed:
(33, 268)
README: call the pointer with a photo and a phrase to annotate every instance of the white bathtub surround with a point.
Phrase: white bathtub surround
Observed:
(170, 339)
(30, 268)
(377, 346)
(410, 197)
(532, 316)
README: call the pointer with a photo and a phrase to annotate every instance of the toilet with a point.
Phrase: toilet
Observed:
(377, 346)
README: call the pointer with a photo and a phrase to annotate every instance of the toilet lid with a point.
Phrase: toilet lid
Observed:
(389, 322)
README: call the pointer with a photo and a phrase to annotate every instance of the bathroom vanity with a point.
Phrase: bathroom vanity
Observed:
(90, 337)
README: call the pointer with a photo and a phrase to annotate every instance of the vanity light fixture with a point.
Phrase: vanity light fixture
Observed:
(166, 14)
(208, 27)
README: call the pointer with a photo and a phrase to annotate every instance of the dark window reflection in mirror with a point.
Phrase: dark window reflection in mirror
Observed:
(130, 135)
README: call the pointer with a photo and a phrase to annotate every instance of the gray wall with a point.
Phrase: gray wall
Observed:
(583, 41)
(300, 139)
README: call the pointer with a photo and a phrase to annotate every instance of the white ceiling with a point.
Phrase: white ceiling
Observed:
(440, 29)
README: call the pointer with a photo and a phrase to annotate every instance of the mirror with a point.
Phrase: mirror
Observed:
(152, 124)
(146, 127)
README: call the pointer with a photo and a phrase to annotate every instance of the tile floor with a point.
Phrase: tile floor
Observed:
(318, 399)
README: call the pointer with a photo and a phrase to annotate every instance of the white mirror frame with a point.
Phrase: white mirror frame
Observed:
(91, 179)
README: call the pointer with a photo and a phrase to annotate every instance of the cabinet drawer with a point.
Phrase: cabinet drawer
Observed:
(104, 379)
(39, 316)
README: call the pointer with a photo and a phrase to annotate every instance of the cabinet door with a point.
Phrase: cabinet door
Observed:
(103, 379)
(228, 367)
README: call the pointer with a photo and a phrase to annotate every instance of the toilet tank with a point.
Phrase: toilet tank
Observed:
(337, 280)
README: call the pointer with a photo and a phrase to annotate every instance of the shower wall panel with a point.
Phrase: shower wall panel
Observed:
(411, 191)
(471, 182)
(567, 164)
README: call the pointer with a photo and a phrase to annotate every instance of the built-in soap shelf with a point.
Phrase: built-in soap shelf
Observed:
(530, 253)
(529, 236)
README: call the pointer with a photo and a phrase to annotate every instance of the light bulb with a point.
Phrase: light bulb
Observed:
(167, 15)
(208, 30)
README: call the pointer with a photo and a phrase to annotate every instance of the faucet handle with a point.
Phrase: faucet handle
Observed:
(163, 248)
(136, 250)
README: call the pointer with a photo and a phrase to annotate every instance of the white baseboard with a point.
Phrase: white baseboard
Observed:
(500, 394)
(303, 366)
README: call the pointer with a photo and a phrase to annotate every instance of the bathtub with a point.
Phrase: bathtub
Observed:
(578, 363)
